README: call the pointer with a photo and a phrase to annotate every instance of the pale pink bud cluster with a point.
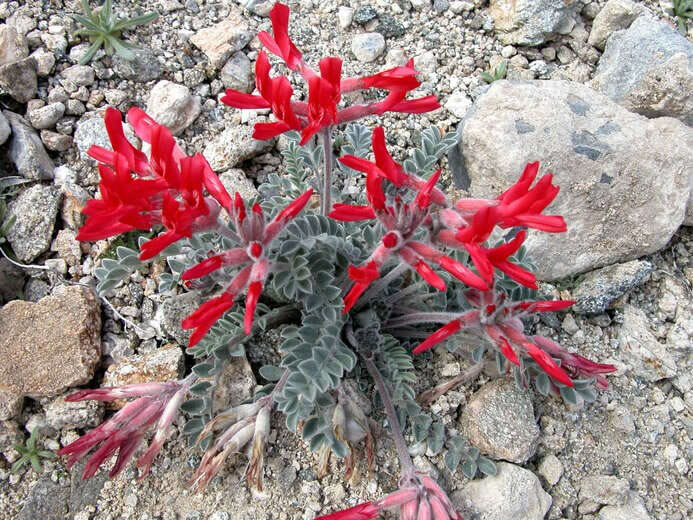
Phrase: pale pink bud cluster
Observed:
(421, 498)
(156, 406)
(245, 426)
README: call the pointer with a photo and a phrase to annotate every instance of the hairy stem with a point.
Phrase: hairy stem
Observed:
(432, 394)
(401, 445)
(422, 317)
(326, 199)
(383, 282)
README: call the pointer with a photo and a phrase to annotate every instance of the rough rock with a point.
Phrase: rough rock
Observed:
(551, 468)
(84, 493)
(368, 47)
(91, 131)
(223, 39)
(45, 61)
(234, 180)
(532, 22)
(13, 45)
(34, 211)
(46, 117)
(173, 311)
(621, 200)
(345, 15)
(26, 150)
(237, 73)
(458, 104)
(48, 501)
(633, 509)
(598, 289)
(162, 364)
(56, 142)
(145, 67)
(61, 414)
(11, 281)
(513, 493)
(49, 346)
(648, 69)
(614, 16)
(599, 490)
(9, 436)
(646, 357)
(67, 247)
(173, 106)
(499, 421)
(234, 145)
(19, 79)
(10, 405)
(235, 384)
(5, 130)
(80, 75)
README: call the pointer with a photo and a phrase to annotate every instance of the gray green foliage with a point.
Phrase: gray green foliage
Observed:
(114, 271)
(460, 452)
(433, 146)
(683, 12)
(103, 28)
(498, 73)
(31, 454)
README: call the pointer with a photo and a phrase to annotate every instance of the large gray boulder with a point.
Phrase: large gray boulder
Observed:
(648, 68)
(532, 22)
(624, 178)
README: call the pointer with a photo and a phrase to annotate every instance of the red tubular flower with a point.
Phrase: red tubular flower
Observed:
(386, 167)
(139, 192)
(324, 89)
(521, 204)
(323, 98)
(279, 43)
(416, 106)
(498, 322)
(156, 403)
(182, 218)
(136, 160)
(126, 203)
(362, 278)
(498, 256)
(578, 366)
(256, 236)
(439, 336)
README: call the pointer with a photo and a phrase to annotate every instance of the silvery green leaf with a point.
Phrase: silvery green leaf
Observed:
(569, 395)
(271, 373)
(193, 406)
(542, 383)
(487, 466)
(469, 468)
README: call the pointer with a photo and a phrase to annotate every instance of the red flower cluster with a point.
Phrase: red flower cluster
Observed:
(400, 220)
(156, 406)
(499, 323)
(466, 226)
(472, 221)
(256, 236)
(140, 193)
(421, 499)
(324, 90)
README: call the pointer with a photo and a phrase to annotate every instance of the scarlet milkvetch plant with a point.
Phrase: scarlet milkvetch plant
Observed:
(358, 287)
